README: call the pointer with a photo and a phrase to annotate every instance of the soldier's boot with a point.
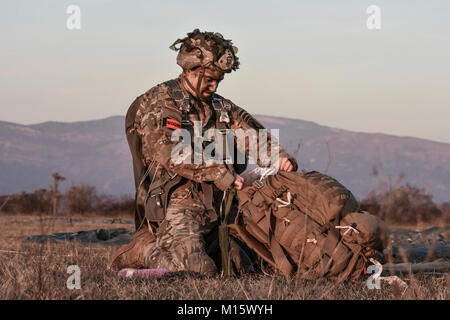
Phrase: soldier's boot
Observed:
(187, 255)
(132, 255)
(200, 262)
(182, 252)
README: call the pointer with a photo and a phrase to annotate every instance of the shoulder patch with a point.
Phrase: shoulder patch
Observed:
(171, 123)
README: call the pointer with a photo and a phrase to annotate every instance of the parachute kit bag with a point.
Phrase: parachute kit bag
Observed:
(308, 225)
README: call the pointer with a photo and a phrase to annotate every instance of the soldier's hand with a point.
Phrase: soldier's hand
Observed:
(239, 182)
(284, 164)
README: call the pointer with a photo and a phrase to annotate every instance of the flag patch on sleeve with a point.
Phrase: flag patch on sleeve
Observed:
(172, 123)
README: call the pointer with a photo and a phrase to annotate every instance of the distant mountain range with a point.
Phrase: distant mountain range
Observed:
(96, 152)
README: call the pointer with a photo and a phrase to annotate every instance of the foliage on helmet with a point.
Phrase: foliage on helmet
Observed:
(207, 49)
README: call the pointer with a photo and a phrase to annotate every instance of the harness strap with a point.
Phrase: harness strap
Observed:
(181, 98)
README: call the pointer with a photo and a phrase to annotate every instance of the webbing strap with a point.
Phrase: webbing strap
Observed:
(207, 197)
(241, 232)
(290, 232)
(278, 254)
(351, 264)
(224, 240)
(181, 98)
(328, 248)
(280, 258)
(222, 126)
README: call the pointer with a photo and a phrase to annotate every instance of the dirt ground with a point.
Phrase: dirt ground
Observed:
(31, 270)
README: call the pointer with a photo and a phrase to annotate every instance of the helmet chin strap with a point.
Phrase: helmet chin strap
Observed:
(199, 83)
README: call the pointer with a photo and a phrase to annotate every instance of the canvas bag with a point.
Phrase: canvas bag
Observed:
(307, 224)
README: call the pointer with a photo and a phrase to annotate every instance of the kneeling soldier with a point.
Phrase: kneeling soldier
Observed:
(178, 203)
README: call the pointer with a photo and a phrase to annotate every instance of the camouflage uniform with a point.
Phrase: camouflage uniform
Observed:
(180, 243)
(186, 238)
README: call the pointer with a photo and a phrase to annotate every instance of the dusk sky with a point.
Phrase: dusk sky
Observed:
(314, 60)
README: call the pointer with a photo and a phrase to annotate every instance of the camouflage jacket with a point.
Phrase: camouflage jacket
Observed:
(159, 114)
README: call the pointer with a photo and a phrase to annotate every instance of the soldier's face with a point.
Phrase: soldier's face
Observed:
(210, 81)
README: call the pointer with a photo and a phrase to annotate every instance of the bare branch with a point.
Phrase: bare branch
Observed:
(330, 156)
(5, 202)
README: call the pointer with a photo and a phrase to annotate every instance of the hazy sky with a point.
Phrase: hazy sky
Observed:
(314, 60)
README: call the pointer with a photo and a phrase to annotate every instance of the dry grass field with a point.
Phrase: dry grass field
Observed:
(39, 271)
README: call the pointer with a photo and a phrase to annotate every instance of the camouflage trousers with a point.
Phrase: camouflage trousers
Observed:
(186, 240)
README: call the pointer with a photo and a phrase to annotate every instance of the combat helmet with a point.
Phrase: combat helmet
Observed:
(206, 50)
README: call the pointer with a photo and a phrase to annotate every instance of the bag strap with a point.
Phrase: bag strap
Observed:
(278, 254)
(181, 98)
(236, 229)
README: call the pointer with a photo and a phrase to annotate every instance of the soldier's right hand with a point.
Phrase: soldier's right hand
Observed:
(239, 182)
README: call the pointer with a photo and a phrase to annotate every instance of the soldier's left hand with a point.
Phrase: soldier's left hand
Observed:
(238, 182)
(284, 164)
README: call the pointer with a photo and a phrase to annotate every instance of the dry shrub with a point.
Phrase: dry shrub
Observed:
(445, 208)
(81, 198)
(39, 201)
(406, 205)
(399, 204)
(109, 205)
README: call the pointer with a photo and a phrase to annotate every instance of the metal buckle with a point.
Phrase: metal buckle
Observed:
(154, 193)
(258, 183)
(185, 122)
(171, 174)
(226, 104)
(158, 200)
(228, 160)
(217, 103)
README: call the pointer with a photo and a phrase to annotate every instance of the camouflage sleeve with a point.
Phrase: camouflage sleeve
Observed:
(243, 120)
(157, 145)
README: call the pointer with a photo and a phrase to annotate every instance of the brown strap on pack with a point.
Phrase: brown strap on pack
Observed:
(351, 264)
(280, 258)
(327, 250)
(278, 254)
(236, 229)
(330, 244)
